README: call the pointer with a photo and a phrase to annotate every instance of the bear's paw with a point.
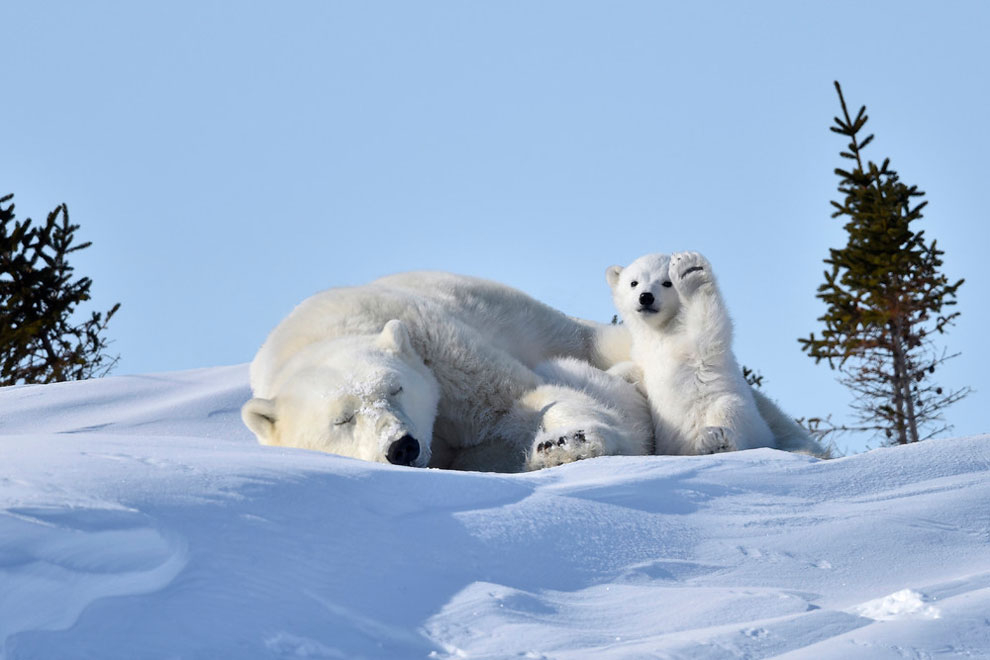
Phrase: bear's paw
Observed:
(716, 439)
(557, 448)
(689, 271)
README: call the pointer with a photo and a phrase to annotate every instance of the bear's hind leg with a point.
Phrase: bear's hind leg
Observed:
(732, 422)
(715, 440)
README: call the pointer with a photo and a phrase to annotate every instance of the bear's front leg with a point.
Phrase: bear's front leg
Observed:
(706, 318)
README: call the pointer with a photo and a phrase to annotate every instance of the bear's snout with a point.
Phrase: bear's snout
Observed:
(403, 451)
(646, 299)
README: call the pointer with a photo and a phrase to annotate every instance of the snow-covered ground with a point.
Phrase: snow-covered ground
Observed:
(139, 519)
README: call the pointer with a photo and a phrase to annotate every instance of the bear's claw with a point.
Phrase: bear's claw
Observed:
(716, 439)
(683, 264)
(691, 270)
(567, 448)
(579, 436)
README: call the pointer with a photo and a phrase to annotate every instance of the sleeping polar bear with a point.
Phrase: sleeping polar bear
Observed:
(441, 370)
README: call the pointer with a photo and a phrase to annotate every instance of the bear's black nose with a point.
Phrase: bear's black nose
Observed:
(403, 451)
(646, 299)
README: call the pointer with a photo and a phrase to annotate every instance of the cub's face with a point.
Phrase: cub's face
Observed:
(643, 292)
(367, 397)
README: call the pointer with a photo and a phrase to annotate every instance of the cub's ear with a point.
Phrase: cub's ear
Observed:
(259, 416)
(612, 275)
(395, 338)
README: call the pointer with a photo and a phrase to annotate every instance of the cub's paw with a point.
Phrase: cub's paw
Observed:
(716, 439)
(557, 448)
(689, 271)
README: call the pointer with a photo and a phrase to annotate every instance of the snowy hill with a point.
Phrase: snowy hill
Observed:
(139, 519)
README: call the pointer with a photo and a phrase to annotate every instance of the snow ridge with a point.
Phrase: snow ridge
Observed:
(138, 518)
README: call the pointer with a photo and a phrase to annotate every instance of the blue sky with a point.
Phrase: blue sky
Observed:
(229, 159)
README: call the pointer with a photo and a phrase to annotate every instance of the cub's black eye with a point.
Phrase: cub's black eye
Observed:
(633, 284)
(343, 419)
(668, 284)
(396, 391)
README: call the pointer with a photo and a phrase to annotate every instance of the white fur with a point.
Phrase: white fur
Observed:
(682, 344)
(443, 359)
(607, 414)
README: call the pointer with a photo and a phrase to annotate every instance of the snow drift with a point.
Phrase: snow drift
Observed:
(139, 519)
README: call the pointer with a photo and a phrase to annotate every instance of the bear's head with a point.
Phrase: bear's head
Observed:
(643, 292)
(366, 396)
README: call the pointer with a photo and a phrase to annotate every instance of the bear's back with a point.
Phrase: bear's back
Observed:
(509, 319)
(500, 316)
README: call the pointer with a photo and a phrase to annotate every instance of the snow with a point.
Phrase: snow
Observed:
(139, 519)
(897, 605)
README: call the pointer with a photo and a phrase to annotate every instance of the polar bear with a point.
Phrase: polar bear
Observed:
(435, 369)
(682, 348)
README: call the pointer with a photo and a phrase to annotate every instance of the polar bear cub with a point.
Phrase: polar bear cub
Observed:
(682, 340)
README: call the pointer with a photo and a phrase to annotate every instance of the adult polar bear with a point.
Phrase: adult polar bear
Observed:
(435, 369)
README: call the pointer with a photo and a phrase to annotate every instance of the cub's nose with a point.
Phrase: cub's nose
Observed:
(403, 451)
(646, 299)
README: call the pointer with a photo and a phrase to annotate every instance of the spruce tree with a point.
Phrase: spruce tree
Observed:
(885, 298)
(39, 341)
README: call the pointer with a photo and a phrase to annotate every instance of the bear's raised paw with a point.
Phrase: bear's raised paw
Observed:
(688, 271)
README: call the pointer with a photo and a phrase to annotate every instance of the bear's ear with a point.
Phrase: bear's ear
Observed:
(259, 416)
(395, 338)
(612, 275)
